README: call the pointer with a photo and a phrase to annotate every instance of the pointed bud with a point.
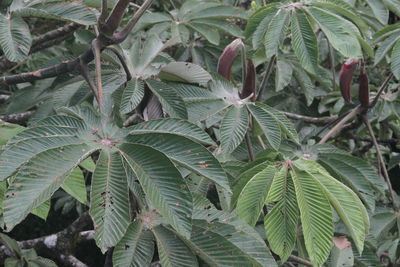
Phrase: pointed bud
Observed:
(249, 88)
(363, 91)
(227, 57)
(346, 78)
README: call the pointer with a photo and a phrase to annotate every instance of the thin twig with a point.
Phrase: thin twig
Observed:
(250, 147)
(341, 123)
(314, 120)
(123, 63)
(265, 79)
(381, 162)
(381, 90)
(86, 74)
(261, 141)
(332, 63)
(97, 58)
(139, 13)
(138, 6)
(299, 260)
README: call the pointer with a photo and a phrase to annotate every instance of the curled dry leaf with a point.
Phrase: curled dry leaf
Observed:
(227, 58)
(346, 77)
(363, 92)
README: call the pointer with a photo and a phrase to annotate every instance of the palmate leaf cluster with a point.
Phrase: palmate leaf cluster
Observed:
(182, 187)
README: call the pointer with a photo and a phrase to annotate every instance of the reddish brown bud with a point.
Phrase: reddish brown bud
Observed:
(346, 77)
(249, 88)
(227, 57)
(363, 90)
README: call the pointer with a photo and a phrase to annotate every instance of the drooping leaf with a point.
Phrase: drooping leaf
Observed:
(252, 198)
(60, 10)
(172, 250)
(395, 60)
(136, 248)
(163, 185)
(43, 175)
(170, 100)
(315, 215)
(132, 95)
(173, 126)
(189, 154)
(233, 128)
(281, 222)
(276, 32)
(185, 72)
(75, 186)
(15, 37)
(268, 124)
(109, 205)
(304, 41)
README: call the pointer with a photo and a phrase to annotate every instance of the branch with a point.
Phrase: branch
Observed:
(42, 42)
(59, 245)
(299, 260)
(88, 56)
(264, 81)
(381, 89)
(96, 46)
(315, 120)
(115, 18)
(381, 162)
(86, 75)
(18, 117)
(123, 63)
(121, 36)
(357, 110)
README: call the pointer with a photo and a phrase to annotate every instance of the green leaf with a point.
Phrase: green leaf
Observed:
(385, 47)
(222, 25)
(393, 6)
(252, 198)
(355, 173)
(75, 186)
(268, 124)
(283, 74)
(304, 41)
(276, 32)
(315, 215)
(340, 32)
(3, 189)
(281, 222)
(31, 142)
(257, 24)
(10, 243)
(8, 130)
(346, 203)
(15, 37)
(395, 60)
(379, 10)
(172, 250)
(287, 127)
(43, 175)
(136, 248)
(189, 154)
(233, 128)
(220, 11)
(60, 10)
(109, 205)
(163, 185)
(245, 176)
(170, 100)
(210, 33)
(185, 72)
(221, 244)
(43, 210)
(132, 95)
